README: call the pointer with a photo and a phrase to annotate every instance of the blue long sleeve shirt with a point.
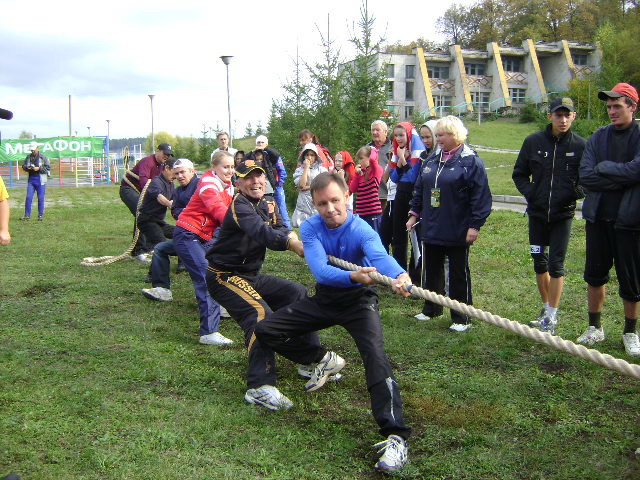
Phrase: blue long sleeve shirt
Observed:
(354, 241)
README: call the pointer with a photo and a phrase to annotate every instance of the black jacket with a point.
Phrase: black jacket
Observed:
(150, 208)
(546, 173)
(598, 175)
(248, 229)
(271, 157)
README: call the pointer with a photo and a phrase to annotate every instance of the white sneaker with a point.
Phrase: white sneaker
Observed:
(549, 324)
(459, 327)
(539, 319)
(305, 371)
(143, 257)
(422, 317)
(268, 396)
(158, 293)
(215, 338)
(330, 364)
(591, 336)
(395, 454)
(224, 313)
(631, 344)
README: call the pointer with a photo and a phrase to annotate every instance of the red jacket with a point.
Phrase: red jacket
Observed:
(205, 211)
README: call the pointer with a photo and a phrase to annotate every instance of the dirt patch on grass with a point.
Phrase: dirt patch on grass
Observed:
(438, 409)
(37, 290)
(554, 368)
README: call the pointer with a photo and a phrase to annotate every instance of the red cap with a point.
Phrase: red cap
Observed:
(620, 90)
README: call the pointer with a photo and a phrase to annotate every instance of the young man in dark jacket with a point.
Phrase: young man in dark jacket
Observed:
(610, 173)
(546, 173)
(158, 198)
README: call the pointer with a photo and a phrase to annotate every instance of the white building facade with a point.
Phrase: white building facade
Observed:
(461, 80)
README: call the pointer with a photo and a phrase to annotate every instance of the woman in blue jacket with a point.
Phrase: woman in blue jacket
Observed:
(452, 200)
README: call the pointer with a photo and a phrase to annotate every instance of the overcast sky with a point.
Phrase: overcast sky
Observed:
(109, 56)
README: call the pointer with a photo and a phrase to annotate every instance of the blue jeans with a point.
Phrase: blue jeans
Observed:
(34, 185)
(192, 249)
(160, 264)
(278, 195)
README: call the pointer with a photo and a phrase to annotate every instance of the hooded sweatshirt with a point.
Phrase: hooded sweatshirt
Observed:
(405, 176)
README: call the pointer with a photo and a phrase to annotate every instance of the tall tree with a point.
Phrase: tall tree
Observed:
(326, 90)
(364, 82)
(454, 24)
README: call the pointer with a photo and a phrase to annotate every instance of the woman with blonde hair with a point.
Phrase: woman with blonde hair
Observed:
(452, 201)
(194, 233)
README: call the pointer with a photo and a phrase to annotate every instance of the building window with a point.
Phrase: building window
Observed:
(410, 71)
(483, 97)
(442, 105)
(474, 68)
(437, 71)
(579, 58)
(517, 95)
(389, 90)
(409, 91)
(408, 112)
(390, 70)
(511, 64)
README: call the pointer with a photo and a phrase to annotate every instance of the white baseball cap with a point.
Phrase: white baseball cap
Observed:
(183, 163)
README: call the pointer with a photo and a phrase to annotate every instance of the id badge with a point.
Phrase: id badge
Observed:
(435, 197)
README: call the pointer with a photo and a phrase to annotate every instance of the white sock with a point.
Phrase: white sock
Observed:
(552, 311)
(545, 305)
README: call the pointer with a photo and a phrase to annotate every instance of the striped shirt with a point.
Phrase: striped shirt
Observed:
(367, 198)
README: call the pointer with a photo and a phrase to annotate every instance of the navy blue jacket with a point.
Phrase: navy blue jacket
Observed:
(465, 198)
(182, 195)
(599, 174)
(150, 208)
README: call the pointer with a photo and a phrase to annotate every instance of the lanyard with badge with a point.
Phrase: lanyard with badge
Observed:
(435, 191)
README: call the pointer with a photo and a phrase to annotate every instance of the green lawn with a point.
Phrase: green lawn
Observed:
(499, 168)
(100, 383)
(503, 133)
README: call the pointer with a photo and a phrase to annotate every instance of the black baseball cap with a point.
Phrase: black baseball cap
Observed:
(245, 167)
(561, 102)
(166, 148)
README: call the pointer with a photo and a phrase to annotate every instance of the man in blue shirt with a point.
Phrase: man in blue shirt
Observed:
(344, 298)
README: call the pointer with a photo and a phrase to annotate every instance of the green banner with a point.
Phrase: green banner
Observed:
(54, 147)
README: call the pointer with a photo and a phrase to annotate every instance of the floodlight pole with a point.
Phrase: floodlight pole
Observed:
(226, 59)
(153, 138)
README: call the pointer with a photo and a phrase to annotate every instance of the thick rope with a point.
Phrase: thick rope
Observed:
(619, 365)
(108, 259)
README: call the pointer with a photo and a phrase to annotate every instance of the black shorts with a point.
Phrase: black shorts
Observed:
(548, 242)
(608, 246)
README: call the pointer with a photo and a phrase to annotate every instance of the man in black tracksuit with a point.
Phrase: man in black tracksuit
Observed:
(546, 173)
(251, 225)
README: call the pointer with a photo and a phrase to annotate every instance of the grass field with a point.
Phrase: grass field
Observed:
(503, 133)
(100, 383)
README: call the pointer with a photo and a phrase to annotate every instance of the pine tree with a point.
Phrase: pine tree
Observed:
(364, 83)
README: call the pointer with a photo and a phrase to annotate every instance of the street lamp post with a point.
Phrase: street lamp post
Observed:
(89, 129)
(153, 138)
(226, 59)
(440, 84)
